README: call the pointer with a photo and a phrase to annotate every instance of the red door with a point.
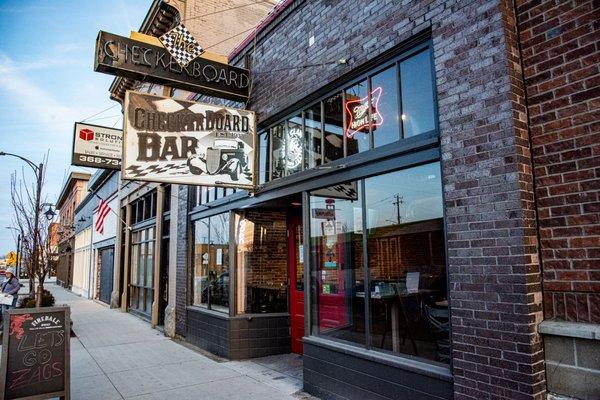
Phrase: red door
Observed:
(296, 269)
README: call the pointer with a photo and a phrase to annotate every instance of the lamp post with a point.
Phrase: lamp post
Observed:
(39, 171)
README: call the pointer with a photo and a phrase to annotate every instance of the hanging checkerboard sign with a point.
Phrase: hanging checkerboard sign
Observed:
(180, 43)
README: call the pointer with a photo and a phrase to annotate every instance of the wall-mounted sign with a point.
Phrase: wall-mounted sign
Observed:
(118, 55)
(96, 146)
(181, 44)
(358, 115)
(178, 141)
(35, 354)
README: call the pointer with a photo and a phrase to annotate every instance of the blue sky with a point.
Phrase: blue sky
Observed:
(47, 83)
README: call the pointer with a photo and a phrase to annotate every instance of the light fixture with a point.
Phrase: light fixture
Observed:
(50, 214)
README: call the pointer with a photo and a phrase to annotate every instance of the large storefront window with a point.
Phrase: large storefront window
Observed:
(400, 295)
(211, 262)
(262, 264)
(383, 106)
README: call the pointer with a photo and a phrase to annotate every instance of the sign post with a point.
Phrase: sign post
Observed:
(35, 354)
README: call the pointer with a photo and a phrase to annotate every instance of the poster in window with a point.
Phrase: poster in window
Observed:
(184, 142)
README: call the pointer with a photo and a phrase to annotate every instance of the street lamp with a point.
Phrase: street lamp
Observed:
(50, 214)
(38, 170)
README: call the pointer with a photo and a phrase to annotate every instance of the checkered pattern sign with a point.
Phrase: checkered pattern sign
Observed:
(180, 43)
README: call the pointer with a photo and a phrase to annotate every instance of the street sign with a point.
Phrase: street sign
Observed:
(178, 141)
(35, 353)
(96, 146)
(11, 258)
(118, 55)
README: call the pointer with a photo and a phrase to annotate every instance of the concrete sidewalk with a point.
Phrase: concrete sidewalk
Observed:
(118, 356)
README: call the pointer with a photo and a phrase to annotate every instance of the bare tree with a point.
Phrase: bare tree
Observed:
(34, 231)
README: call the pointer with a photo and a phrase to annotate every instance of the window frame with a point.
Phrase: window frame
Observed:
(231, 267)
(365, 73)
(310, 328)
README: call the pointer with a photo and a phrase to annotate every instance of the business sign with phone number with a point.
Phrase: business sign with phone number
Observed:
(97, 146)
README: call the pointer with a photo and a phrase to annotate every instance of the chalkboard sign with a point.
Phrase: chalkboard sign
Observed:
(35, 354)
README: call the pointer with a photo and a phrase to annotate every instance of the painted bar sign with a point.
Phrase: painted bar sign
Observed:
(35, 353)
(118, 55)
(97, 146)
(179, 141)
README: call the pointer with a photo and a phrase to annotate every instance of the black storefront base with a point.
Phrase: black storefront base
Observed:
(342, 372)
(239, 337)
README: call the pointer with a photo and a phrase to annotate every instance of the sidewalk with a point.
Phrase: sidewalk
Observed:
(118, 356)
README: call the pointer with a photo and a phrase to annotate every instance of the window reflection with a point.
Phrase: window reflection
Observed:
(313, 136)
(263, 165)
(218, 272)
(211, 262)
(407, 295)
(334, 128)
(417, 95)
(336, 254)
(385, 105)
(201, 262)
(406, 262)
(278, 151)
(262, 262)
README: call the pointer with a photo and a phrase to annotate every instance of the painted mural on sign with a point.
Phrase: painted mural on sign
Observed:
(180, 141)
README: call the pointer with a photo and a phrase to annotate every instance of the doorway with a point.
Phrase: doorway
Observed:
(296, 273)
(107, 263)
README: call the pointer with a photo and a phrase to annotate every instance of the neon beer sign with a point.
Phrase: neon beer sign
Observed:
(359, 117)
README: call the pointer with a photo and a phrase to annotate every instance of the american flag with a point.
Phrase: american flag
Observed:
(103, 210)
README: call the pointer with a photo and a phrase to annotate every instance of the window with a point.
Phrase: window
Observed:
(401, 292)
(262, 262)
(358, 115)
(313, 136)
(144, 208)
(263, 165)
(211, 262)
(417, 95)
(334, 127)
(142, 270)
(385, 107)
(294, 145)
(337, 259)
(278, 151)
(379, 108)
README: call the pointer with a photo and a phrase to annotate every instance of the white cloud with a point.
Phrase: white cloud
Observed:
(29, 96)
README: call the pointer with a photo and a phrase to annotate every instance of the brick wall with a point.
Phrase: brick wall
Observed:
(561, 56)
(219, 25)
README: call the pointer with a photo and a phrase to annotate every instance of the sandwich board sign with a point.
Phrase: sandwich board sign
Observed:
(35, 354)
